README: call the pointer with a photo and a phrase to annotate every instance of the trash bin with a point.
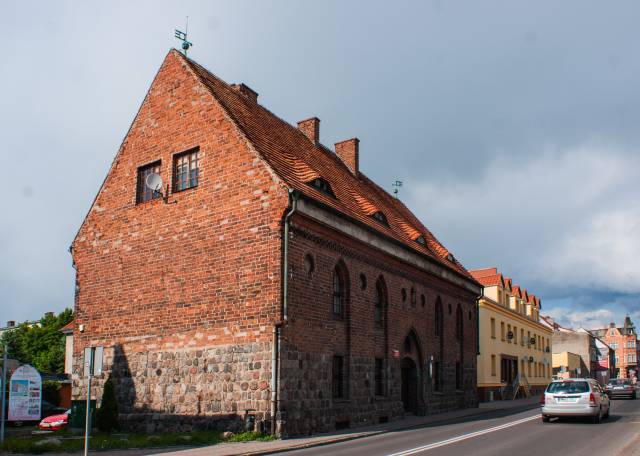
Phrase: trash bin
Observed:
(78, 413)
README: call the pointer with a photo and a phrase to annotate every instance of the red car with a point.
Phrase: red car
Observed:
(55, 422)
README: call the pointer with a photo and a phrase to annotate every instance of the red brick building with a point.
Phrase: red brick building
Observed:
(270, 278)
(624, 341)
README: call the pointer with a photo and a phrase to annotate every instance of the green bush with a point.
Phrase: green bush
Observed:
(51, 391)
(107, 414)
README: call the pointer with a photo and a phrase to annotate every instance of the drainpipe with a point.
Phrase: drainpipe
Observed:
(478, 321)
(293, 205)
(277, 328)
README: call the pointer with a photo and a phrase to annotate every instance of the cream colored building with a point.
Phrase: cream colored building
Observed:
(566, 364)
(515, 348)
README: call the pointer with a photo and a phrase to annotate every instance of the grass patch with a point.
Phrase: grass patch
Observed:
(62, 442)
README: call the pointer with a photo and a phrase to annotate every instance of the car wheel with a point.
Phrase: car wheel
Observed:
(545, 419)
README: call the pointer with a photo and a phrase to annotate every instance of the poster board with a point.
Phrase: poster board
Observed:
(25, 394)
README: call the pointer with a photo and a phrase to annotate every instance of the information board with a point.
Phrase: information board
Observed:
(25, 394)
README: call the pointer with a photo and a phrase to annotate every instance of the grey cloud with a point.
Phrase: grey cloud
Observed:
(436, 91)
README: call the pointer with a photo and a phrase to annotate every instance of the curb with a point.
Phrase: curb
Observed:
(364, 434)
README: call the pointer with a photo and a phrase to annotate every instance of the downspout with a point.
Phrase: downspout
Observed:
(478, 321)
(277, 327)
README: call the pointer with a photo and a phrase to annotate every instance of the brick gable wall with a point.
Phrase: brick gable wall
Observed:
(161, 284)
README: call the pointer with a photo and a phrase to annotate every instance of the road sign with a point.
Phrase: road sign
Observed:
(93, 361)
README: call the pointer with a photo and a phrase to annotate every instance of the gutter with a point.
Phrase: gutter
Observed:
(277, 327)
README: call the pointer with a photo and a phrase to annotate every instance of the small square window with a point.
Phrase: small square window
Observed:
(185, 170)
(144, 193)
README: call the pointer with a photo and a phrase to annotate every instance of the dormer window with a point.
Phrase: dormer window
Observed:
(451, 258)
(380, 217)
(421, 240)
(322, 186)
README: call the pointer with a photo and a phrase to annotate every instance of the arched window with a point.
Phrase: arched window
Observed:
(379, 301)
(338, 293)
(459, 323)
(438, 318)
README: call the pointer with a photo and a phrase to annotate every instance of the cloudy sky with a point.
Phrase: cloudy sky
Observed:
(513, 125)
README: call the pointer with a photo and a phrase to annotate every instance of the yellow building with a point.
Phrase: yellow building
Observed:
(515, 348)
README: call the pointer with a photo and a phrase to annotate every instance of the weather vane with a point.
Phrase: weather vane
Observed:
(182, 36)
(397, 184)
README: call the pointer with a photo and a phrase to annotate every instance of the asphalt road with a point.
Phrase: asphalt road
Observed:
(497, 434)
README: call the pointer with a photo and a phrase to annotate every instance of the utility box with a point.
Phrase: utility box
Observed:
(78, 414)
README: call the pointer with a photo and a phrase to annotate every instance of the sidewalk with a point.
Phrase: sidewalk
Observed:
(259, 448)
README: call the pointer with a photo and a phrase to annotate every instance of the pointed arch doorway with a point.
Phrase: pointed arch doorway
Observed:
(411, 375)
(409, 392)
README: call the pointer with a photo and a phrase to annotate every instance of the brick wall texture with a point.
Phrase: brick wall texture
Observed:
(184, 295)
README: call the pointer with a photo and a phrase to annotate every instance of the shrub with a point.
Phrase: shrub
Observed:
(107, 414)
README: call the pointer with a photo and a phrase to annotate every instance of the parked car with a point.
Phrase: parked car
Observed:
(47, 409)
(621, 387)
(55, 422)
(574, 397)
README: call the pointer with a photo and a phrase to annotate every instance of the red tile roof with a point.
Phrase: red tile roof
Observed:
(297, 160)
(484, 272)
(487, 280)
(69, 327)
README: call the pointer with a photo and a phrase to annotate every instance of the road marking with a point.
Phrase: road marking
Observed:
(471, 435)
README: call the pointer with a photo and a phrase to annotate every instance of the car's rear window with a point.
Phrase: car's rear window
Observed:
(620, 381)
(568, 387)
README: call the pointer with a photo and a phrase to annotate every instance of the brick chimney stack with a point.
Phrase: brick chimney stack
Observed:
(349, 153)
(246, 91)
(311, 129)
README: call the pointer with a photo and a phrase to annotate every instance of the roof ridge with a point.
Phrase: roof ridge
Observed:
(294, 158)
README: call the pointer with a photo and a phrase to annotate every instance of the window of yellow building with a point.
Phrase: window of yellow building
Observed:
(502, 330)
(493, 365)
(515, 334)
(493, 328)
(529, 339)
(508, 331)
(522, 341)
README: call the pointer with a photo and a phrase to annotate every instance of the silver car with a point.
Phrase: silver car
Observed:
(574, 397)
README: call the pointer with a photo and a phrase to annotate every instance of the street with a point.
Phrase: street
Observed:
(496, 434)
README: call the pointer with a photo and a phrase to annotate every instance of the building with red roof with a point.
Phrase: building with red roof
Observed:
(515, 346)
(233, 265)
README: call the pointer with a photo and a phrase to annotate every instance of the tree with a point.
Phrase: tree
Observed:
(107, 414)
(41, 345)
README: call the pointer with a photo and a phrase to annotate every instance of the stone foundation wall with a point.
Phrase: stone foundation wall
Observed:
(181, 390)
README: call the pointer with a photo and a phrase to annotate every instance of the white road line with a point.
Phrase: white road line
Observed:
(471, 435)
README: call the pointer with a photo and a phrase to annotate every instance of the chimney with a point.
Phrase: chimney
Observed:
(311, 129)
(245, 90)
(348, 151)
(11, 323)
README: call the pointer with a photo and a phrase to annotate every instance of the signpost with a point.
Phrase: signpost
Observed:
(92, 366)
(25, 394)
(4, 391)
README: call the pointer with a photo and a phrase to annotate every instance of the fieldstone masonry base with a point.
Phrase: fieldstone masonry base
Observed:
(204, 388)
